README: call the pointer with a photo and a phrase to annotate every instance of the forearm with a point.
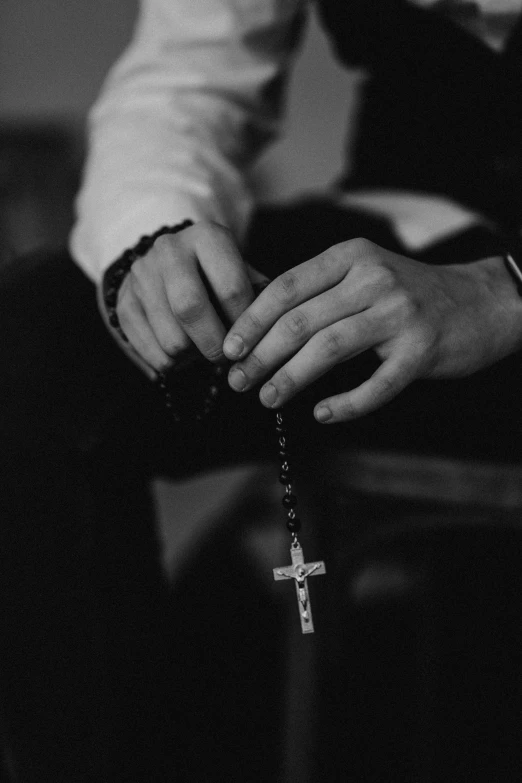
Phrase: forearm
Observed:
(190, 104)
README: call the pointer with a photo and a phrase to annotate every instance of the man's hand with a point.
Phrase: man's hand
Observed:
(422, 321)
(181, 297)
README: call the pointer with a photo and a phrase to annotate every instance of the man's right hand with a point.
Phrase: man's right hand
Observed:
(182, 296)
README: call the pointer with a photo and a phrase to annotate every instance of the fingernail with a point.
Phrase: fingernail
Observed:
(237, 379)
(323, 414)
(233, 346)
(269, 394)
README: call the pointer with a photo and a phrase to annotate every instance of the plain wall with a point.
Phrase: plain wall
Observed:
(55, 53)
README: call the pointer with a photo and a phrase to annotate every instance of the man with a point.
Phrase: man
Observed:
(193, 100)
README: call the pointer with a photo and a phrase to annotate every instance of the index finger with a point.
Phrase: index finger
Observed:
(283, 294)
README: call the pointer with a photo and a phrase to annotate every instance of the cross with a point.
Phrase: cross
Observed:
(300, 571)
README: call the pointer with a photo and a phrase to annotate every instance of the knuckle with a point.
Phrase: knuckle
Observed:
(332, 256)
(141, 268)
(347, 409)
(173, 346)
(190, 309)
(296, 324)
(208, 228)
(383, 278)
(253, 323)
(235, 296)
(380, 280)
(286, 382)
(254, 365)
(213, 352)
(405, 305)
(385, 387)
(331, 343)
(164, 243)
(286, 288)
(360, 246)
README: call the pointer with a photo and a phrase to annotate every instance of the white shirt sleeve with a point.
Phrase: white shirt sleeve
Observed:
(191, 102)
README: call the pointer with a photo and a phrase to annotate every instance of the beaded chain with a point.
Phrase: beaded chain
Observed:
(198, 410)
(289, 501)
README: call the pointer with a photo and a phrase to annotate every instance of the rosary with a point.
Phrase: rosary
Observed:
(211, 377)
(299, 570)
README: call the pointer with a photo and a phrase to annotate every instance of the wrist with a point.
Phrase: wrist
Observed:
(119, 269)
(502, 303)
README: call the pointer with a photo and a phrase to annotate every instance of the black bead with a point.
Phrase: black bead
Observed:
(289, 501)
(283, 453)
(285, 477)
(280, 429)
(282, 442)
(293, 525)
(114, 320)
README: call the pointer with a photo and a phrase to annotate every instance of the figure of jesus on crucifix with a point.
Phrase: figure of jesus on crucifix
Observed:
(300, 571)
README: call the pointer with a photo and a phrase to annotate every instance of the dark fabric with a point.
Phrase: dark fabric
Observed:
(440, 111)
(104, 674)
(420, 682)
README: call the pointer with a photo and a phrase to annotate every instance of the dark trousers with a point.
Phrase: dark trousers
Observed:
(95, 653)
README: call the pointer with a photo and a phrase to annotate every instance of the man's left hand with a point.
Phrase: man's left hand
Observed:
(422, 321)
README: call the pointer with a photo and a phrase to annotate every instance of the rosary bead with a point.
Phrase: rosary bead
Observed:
(289, 501)
(282, 442)
(294, 525)
(283, 453)
(280, 429)
(285, 477)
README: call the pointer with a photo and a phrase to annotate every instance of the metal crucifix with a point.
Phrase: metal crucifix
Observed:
(300, 571)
